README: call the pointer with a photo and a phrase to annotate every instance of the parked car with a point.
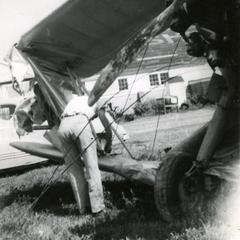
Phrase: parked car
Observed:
(12, 159)
(166, 104)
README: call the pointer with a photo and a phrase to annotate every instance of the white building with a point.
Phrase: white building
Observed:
(148, 84)
(164, 58)
(158, 64)
(152, 84)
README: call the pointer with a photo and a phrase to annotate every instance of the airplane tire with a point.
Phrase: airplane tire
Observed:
(173, 197)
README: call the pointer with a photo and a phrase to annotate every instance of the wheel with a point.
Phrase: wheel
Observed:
(184, 106)
(176, 195)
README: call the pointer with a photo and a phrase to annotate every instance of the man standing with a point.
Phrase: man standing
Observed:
(79, 146)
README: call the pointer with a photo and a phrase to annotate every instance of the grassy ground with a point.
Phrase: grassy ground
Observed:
(131, 212)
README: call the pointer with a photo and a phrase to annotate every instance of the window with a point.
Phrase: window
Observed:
(154, 81)
(6, 111)
(164, 77)
(123, 84)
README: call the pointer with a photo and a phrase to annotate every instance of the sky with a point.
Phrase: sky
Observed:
(19, 16)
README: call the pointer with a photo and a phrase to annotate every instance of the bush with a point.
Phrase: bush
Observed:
(129, 117)
(141, 108)
(154, 104)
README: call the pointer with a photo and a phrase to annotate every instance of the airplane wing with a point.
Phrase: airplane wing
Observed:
(82, 36)
(142, 171)
(43, 150)
(86, 35)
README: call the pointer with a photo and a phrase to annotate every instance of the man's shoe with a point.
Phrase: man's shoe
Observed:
(100, 214)
(99, 217)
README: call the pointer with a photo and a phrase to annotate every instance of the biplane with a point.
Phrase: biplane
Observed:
(82, 38)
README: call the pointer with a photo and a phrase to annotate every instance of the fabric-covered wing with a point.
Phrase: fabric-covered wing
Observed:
(141, 171)
(84, 35)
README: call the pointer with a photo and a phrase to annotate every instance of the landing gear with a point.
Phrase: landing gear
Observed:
(175, 194)
(178, 195)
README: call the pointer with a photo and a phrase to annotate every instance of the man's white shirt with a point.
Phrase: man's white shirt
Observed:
(79, 104)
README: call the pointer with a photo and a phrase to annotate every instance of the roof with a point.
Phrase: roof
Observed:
(163, 65)
(199, 80)
(176, 79)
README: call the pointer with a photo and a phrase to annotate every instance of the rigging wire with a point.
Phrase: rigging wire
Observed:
(139, 67)
(135, 78)
(45, 188)
(116, 93)
(138, 79)
(163, 93)
(50, 182)
(69, 149)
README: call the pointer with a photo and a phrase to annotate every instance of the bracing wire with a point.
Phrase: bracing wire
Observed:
(138, 79)
(50, 182)
(139, 67)
(55, 170)
(135, 78)
(163, 92)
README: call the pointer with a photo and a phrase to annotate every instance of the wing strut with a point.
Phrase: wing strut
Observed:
(131, 50)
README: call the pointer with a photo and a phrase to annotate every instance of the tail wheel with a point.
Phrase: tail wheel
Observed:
(175, 194)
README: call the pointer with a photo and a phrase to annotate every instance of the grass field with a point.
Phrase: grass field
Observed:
(131, 211)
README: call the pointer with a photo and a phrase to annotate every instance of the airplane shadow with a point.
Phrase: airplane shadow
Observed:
(59, 198)
(24, 169)
(122, 227)
(130, 210)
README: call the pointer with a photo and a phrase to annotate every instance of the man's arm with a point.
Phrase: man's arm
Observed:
(107, 126)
